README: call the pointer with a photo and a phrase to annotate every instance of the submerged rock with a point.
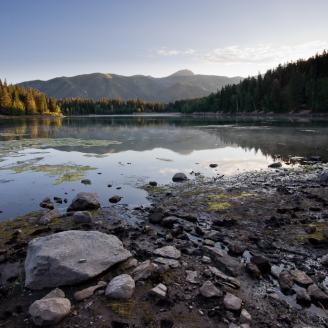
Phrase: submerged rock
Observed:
(275, 165)
(84, 201)
(121, 287)
(179, 177)
(47, 203)
(71, 257)
(115, 199)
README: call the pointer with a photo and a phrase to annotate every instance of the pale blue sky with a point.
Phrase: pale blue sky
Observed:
(41, 39)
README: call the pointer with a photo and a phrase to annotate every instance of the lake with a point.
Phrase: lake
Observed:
(48, 157)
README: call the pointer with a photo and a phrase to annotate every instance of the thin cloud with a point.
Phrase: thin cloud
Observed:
(173, 52)
(258, 54)
(264, 53)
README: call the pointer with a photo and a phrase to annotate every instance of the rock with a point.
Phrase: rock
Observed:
(236, 249)
(86, 181)
(168, 251)
(58, 200)
(310, 229)
(153, 183)
(47, 203)
(253, 270)
(156, 215)
(233, 282)
(167, 262)
(121, 287)
(49, 311)
(49, 216)
(213, 165)
(209, 290)
(82, 217)
(323, 177)
(232, 302)
(262, 263)
(169, 221)
(179, 177)
(55, 293)
(206, 259)
(324, 260)
(302, 296)
(301, 278)
(275, 165)
(160, 291)
(55, 260)
(317, 295)
(192, 277)
(245, 317)
(88, 292)
(84, 201)
(144, 270)
(115, 199)
(285, 280)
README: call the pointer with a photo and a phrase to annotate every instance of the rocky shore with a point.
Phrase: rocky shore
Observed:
(249, 250)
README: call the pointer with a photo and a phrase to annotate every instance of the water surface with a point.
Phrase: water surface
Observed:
(42, 157)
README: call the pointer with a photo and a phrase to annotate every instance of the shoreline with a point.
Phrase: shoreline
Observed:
(239, 232)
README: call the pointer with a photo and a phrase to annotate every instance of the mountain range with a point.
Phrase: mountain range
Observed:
(183, 84)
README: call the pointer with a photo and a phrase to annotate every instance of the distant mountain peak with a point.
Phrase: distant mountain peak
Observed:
(183, 72)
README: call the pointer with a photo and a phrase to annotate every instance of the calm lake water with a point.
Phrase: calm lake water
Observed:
(50, 156)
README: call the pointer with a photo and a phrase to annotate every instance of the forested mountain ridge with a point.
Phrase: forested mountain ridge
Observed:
(180, 85)
(293, 87)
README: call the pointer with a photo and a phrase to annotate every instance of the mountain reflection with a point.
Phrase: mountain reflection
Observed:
(179, 134)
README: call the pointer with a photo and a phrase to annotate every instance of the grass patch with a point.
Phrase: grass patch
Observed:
(218, 206)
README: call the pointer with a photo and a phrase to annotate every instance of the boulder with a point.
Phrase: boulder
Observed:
(49, 311)
(70, 257)
(232, 302)
(84, 201)
(209, 290)
(49, 216)
(301, 278)
(286, 281)
(144, 270)
(262, 263)
(168, 251)
(86, 181)
(121, 287)
(82, 217)
(179, 177)
(153, 183)
(303, 297)
(317, 295)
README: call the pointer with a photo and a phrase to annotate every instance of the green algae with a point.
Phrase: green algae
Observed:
(218, 206)
(64, 172)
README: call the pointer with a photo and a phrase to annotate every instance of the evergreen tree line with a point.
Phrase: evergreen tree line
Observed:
(302, 85)
(106, 106)
(17, 100)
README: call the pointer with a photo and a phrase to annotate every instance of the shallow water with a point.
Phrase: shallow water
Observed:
(50, 156)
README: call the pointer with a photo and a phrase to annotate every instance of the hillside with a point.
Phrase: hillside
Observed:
(290, 88)
(181, 85)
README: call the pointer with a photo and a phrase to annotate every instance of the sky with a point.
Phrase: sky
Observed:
(42, 39)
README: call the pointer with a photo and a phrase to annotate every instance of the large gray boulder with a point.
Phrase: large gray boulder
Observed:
(84, 201)
(70, 257)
